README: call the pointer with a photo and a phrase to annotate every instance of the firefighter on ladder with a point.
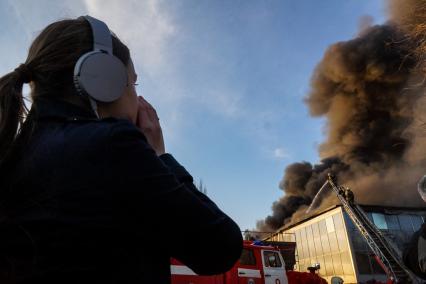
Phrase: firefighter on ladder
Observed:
(347, 194)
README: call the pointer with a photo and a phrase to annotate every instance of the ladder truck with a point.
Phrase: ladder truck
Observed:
(384, 251)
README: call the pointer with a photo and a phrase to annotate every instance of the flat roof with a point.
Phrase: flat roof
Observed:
(367, 208)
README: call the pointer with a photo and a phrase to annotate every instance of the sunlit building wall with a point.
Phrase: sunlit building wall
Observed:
(331, 239)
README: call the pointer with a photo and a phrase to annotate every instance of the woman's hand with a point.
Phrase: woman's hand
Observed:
(149, 123)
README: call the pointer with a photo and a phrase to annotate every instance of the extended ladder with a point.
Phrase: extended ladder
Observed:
(384, 252)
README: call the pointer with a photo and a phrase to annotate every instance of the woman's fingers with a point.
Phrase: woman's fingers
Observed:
(151, 112)
(149, 124)
(143, 117)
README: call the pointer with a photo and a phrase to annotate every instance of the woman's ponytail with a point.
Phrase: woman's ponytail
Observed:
(12, 108)
(49, 67)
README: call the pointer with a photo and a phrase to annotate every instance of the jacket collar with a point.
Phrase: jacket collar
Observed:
(45, 108)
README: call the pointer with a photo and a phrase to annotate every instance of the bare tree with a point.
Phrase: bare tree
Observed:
(201, 187)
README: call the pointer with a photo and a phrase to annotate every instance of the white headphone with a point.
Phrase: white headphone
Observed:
(99, 74)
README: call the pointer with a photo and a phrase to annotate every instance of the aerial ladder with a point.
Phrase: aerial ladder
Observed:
(385, 253)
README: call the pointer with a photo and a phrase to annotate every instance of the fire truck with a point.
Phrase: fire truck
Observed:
(260, 263)
(263, 263)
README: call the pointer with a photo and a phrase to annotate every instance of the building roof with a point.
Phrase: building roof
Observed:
(308, 217)
(367, 208)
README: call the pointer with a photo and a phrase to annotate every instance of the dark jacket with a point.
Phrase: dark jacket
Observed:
(88, 201)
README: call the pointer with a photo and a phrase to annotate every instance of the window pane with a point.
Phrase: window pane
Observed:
(347, 264)
(325, 243)
(315, 230)
(338, 222)
(358, 241)
(341, 240)
(308, 233)
(400, 237)
(322, 227)
(301, 251)
(334, 247)
(271, 259)
(306, 250)
(380, 221)
(329, 265)
(330, 225)
(278, 260)
(405, 223)
(311, 244)
(370, 217)
(362, 263)
(304, 243)
(303, 234)
(417, 222)
(337, 264)
(318, 245)
(317, 239)
(247, 257)
(298, 244)
(392, 221)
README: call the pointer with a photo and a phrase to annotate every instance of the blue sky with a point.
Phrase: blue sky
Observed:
(228, 79)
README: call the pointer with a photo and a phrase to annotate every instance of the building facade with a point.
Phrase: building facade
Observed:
(331, 239)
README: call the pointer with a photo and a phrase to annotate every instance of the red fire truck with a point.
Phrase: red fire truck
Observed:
(259, 263)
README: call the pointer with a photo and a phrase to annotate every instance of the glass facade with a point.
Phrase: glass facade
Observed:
(367, 266)
(323, 241)
(397, 227)
(332, 240)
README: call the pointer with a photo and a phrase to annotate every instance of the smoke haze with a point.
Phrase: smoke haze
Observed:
(369, 92)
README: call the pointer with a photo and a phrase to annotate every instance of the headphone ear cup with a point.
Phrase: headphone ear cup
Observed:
(101, 76)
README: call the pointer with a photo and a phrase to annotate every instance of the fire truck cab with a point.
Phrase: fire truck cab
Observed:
(258, 264)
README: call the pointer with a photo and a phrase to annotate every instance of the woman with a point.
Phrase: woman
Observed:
(88, 194)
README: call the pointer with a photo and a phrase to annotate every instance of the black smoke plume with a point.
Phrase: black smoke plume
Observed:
(371, 97)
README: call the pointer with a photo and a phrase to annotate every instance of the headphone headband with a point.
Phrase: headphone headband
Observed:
(102, 40)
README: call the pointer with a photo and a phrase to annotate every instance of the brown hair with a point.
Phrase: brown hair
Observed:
(49, 67)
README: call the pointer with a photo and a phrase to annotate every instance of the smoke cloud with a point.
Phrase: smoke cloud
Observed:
(372, 99)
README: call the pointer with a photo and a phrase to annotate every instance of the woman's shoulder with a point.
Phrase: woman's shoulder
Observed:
(123, 130)
(106, 128)
(87, 134)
